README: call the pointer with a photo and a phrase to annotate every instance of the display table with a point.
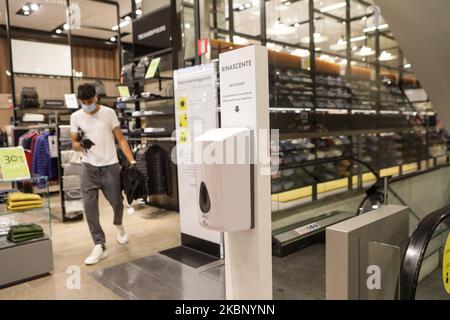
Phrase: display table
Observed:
(32, 258)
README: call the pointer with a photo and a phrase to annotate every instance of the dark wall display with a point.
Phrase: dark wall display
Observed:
(152, 32)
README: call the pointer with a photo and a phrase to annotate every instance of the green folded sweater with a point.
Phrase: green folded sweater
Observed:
(25, 237)
(25, 229)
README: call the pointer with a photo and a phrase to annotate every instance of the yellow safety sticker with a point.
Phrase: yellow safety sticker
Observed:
(183, 120)
(446, 265)
(182, 104)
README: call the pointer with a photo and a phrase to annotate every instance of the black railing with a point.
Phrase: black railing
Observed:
(415, 252)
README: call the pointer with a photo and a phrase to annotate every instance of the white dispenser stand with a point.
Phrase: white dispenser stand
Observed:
(244, 97)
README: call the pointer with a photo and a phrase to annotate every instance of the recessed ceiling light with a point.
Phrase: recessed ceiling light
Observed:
(34, 7)
(127, 18)
(248, 5)
(115, 28)
(66, 26)
(138, 12)
(287, 3)
(187, 25)
(112, 39)
(58, 31)
(25, 8)
(407, 66)
(27, 13)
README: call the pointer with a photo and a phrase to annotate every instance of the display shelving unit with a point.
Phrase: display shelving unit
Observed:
(30, 259)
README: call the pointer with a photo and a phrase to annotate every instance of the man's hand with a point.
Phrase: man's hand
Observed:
(86, 144)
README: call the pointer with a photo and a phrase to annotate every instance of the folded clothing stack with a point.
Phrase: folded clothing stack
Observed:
(18, 201)
(25, 232)
(4, 194)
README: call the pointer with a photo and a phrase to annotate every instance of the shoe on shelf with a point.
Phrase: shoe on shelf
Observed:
(122, 236)
(96, 255)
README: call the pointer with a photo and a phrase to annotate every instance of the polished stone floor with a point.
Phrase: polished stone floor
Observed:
(139, 271)
(298, 276)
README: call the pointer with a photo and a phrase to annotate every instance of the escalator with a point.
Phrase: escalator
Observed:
(412, 286)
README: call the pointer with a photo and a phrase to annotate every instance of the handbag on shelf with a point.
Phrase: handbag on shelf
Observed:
(29, 98)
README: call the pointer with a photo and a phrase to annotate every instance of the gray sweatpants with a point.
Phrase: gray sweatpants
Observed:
(106, 179)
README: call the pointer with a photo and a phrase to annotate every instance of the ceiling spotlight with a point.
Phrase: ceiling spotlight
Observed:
(138, 12)
(242, 7)
(34, 7)
(407, 66)
(58, 31)
(27, 13)
(187, 25)
(297, 25)
(287, 3)
(112, 39)
(66, 26)
(25, 8)
(115, 28)
(247, 5)
(127, 18)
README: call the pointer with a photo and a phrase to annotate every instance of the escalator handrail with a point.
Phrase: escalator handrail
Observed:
(415, 252)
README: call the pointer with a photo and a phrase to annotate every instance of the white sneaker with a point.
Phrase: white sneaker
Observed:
(96, 255)
(122, 236)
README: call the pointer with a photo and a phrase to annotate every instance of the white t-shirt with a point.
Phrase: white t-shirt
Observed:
(99, 129)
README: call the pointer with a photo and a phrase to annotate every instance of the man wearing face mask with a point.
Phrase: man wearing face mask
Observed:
(99, 127)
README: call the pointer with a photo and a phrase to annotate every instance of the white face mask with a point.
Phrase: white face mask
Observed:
(89, 108)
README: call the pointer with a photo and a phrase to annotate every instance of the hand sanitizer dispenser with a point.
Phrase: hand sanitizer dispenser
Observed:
(224, 179)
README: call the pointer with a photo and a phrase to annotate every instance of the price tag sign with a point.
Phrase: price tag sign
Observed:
(13, 164)
(71, 101)
(124, 91)
(151, 71)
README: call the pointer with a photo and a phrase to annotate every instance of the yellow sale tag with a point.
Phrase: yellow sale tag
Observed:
(446, 265)
(183, 120)
(183, 136)
(13, 164)
(182, 104)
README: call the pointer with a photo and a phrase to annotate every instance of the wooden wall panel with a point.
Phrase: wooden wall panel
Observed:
(96, 62)
(5, 84)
